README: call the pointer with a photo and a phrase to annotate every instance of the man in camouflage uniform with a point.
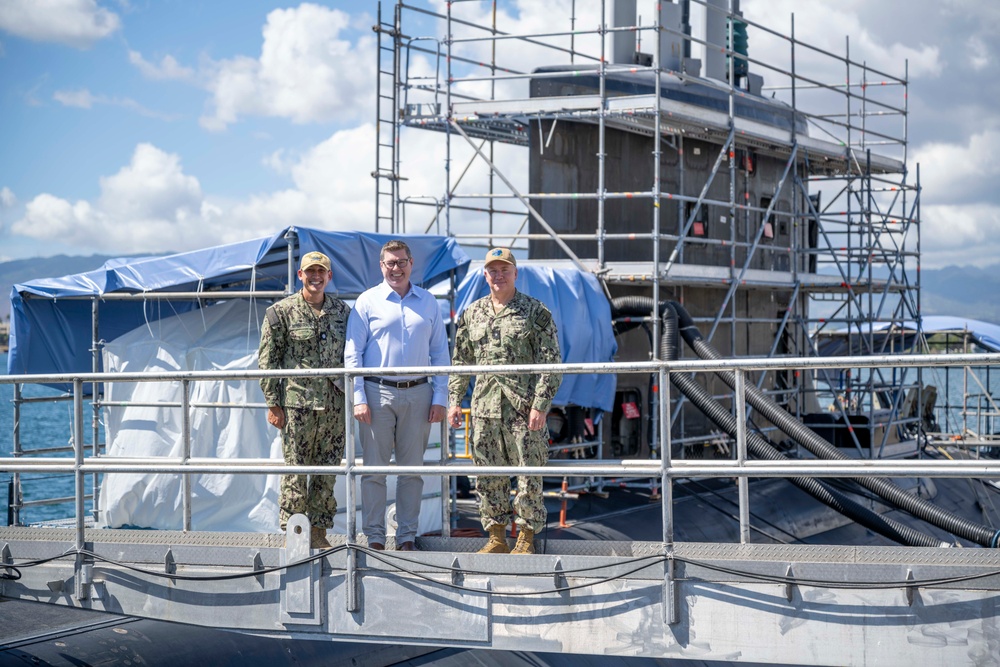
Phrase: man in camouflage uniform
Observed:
(508, 411)
(307, 330)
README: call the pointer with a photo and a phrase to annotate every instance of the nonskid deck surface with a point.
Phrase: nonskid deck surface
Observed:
(213, 548)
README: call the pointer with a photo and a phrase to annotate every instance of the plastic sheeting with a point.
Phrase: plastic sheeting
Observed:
(583, 320)
(51, 326)
(220, 337)
(214, 338)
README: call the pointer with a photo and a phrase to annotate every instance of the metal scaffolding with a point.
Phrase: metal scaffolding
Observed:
(774, 204)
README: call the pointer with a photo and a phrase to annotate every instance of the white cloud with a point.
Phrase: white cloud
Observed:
(74, 98)
(986, 15)
(960, 211)
(50, 218)
(333, 189)
(962, 234)
(148, 206)
(152, 186)
(277, 161)
(953, 173)
(168, 69)
(423, 156)
(151, 204)
(307, 72)
(7, 198)
(76, 23)
(523, 18)
(821, 24)
(979, 53)
(84, 99)
(312, 68)
(825, 25)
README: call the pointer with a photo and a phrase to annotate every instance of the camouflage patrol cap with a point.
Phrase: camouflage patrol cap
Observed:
(500, 255)
(314, 259)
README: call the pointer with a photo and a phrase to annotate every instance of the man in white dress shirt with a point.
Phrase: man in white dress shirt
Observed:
(396, 325)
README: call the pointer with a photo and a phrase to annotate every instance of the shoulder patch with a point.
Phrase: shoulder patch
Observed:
(272, 317)
(543, 320)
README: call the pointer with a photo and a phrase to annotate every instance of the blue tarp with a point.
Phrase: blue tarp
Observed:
(985, 334)
(583, 319)
(835, 343)
(51, 333)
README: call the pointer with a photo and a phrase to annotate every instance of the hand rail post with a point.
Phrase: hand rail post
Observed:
(81, 567)
(186, 449)
(741, 455)
(353, 583)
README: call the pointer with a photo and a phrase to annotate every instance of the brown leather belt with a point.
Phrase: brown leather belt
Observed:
(404, 384)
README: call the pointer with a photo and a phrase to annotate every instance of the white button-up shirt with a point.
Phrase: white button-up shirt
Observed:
(387, 331)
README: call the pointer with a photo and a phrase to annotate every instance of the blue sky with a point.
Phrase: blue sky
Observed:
(136, 126)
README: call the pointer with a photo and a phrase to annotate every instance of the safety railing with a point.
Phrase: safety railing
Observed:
(664, 467)
(740, 467)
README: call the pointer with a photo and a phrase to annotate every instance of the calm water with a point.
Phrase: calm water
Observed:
(46, 424)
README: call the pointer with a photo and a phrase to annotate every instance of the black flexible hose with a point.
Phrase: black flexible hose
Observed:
(639, 305)
(762, 449)
(796, 430)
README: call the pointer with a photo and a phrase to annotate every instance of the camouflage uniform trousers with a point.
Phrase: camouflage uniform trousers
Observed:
(508, 442)
(311, 437)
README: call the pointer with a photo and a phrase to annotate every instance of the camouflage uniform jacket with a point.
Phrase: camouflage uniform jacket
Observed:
(522, 333)
(294, 336)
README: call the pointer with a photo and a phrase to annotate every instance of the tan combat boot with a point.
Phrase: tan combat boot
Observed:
(497, 543)
(317, 538)
(525, 542)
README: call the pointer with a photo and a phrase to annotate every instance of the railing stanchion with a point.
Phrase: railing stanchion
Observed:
(95, 405)
(186, 446)
(666, 483)
(667, 499)
(447, 482)
(352, 601)
(78, 459)
(78, 478)
(741, 455)
(15, 506)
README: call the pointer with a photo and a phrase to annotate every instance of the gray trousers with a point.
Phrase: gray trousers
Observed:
(399, 422)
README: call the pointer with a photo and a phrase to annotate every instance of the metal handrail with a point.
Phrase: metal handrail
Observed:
(678, 469)
(744, 364)
(664, 468)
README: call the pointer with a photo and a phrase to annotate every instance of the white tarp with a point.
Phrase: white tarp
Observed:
(220, 337)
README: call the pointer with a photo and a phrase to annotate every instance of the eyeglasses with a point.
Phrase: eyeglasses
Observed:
(504, 270)
(393, 263)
